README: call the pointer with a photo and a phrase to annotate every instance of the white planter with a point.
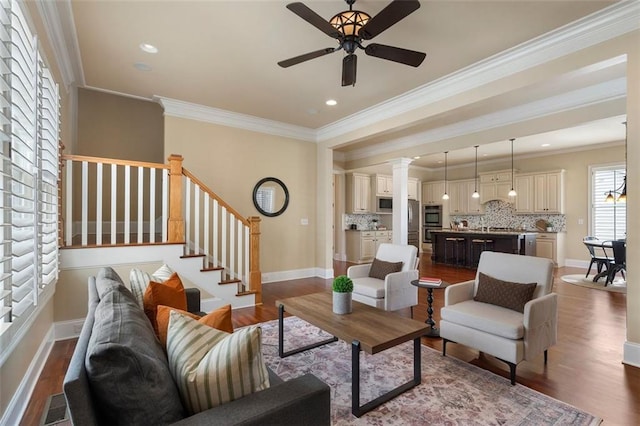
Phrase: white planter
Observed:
(549, 228)
(341, 303)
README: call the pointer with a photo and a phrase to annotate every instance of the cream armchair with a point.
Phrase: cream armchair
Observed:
(508, 335)
(395, 291)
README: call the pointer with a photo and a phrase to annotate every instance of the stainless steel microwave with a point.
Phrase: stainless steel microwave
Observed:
(384, 205)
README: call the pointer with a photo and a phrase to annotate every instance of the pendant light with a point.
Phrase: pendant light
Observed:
(445, 196)
(476, 194)
(512, 193)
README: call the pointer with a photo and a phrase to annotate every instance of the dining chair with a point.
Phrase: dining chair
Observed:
(601, 261)
(619, 263)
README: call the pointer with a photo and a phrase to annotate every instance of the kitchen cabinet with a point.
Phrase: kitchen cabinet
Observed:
(432, 192)
(524, 199)
(358, 193)
(413, 188)
(548, 192)
(474, 205)
(495, 186)
(384, 186)
(550, 245)
(362, 246)
(460, 200)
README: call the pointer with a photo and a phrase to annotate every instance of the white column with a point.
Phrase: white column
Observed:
(400, 197)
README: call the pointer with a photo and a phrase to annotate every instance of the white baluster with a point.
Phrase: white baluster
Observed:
(165, 205)
(85, 202)
(207, 202)
(114, 198)
(196, 219)
(140, 203)
(246, 256)
(127, 203)
(216, 240)
(232, 246)
(99, 204)
(152, 205)
(187, 215)
(223, 239)
(69, 206)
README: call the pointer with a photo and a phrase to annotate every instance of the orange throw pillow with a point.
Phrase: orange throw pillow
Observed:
(219, 319)
(168, 293)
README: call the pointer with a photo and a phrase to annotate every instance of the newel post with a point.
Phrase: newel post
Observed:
(255, 276)
(176, 221)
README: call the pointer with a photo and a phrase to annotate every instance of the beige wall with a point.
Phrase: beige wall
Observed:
(231, 161)
(114, 126)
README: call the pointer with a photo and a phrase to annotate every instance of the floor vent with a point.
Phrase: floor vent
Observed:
(55, 410)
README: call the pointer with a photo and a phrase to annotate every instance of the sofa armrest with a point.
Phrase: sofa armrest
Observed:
(540, 324)
(303, 400)
(457, 293)
(358, 271)
(193, 300)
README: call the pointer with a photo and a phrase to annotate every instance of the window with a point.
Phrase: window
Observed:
(29, 124)
(608, 219)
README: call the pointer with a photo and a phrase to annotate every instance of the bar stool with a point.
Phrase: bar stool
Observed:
(456, 244)
(478, 245)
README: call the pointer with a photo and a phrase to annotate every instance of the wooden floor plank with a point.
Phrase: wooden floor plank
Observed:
(584, 368)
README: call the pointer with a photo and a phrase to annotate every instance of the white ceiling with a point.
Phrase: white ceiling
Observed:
(223, 54)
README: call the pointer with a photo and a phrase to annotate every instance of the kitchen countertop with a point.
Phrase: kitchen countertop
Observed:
(490, 232)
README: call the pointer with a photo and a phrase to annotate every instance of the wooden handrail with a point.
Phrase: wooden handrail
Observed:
(115, 161)
(215, 196)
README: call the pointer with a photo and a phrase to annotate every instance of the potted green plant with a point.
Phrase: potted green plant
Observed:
(549, 226)
(342, 288)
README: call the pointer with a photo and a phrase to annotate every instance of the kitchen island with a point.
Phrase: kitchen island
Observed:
(463, 247)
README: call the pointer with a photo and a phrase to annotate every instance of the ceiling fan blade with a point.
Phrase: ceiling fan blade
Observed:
(390, 15)
(307, 56)
(314, 19)
(349, 65)
(395, 54)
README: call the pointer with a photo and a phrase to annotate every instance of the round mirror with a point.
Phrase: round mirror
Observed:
(270, 196)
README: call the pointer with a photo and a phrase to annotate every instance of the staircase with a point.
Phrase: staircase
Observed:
(111, 203)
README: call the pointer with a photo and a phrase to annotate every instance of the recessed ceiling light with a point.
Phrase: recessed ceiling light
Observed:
(439, 161)
(417, 157)
(141, 66)
(546, 144)
(149, 48)
(331, 102)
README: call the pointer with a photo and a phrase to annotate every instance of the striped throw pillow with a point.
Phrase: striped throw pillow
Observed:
(212, 367)
(139, 281)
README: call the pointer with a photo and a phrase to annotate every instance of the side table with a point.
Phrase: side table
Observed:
(433, 331)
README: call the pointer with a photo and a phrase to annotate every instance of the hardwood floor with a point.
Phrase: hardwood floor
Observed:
(584, 368)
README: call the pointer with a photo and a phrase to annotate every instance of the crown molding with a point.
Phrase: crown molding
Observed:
(124, 95)
(59, 25)
(606, 24)
(181, 109)
(598, 93)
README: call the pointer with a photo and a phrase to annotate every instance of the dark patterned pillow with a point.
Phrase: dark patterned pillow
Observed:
(380, 269)
(503, 293)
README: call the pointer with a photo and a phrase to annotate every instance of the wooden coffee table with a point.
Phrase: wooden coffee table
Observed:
(367, 329)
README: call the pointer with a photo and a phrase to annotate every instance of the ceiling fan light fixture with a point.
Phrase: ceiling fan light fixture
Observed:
(350, 22)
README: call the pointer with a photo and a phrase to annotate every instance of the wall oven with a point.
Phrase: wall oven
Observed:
(432, 216)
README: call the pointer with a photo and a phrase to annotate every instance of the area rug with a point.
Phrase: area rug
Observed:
(452, 392)
(619, 284)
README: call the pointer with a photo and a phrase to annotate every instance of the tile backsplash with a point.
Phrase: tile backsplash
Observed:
(500, 214)
(364, 222)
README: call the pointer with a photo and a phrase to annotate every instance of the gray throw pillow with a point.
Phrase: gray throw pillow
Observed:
(380, 269)
(127, 369)
(503, 293)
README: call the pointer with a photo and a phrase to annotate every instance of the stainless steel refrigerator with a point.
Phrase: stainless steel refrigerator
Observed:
(413, 235)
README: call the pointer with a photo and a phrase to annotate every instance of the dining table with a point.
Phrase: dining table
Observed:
(607, 247)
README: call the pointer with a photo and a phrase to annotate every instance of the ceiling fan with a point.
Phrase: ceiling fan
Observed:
(350, 28)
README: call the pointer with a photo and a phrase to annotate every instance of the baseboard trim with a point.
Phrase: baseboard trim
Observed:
(296, 274)
(70, 329)
(576, 263)
(631, 354)
(18, 404)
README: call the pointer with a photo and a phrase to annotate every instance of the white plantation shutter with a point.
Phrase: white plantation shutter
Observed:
(5, 167)
(609, 220)
(29, 137)
(48, 125)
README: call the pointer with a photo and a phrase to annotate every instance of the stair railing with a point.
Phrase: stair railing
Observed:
(170, 205)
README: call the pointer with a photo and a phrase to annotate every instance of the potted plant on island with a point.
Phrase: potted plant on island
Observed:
(342, 288)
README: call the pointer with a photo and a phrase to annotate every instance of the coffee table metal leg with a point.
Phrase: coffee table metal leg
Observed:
(281, 351)
(358, 410)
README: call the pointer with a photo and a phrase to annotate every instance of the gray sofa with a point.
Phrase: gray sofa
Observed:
(128, 388)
